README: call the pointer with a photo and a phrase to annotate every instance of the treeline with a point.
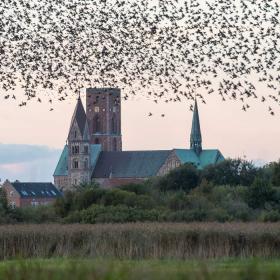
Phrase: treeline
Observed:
(233, 190)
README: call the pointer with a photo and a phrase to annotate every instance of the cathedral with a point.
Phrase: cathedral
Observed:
(93, 151)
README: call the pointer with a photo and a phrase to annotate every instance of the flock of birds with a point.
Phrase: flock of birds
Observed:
(165, 50)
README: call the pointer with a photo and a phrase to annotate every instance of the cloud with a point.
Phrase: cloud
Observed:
(27, 162)
(14, 153)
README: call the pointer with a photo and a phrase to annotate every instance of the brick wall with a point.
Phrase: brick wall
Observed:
(116, 182)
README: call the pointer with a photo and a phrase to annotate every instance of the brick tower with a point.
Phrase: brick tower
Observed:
(104, 117)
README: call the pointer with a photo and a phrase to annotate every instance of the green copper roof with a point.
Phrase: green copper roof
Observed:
(196, 138)
(206, 157)
(95, 150)
(62, 166)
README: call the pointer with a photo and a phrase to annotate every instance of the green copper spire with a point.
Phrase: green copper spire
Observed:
(196, 141)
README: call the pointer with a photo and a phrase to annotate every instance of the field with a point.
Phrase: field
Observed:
(141, 241)
(58, 269)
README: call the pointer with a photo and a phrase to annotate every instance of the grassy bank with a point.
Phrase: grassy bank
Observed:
(125, 270)
(141, 241)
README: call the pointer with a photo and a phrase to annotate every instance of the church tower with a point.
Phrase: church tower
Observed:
(104, 117)
(79, 147)
(196, 139)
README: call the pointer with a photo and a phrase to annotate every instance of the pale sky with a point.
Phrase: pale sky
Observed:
(254, 134)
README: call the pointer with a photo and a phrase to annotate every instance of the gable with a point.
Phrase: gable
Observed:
(135, 164)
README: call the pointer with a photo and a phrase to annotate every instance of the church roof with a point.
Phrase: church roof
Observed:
(80, 116)
(62, 165)
(135, 164)
(206, 157)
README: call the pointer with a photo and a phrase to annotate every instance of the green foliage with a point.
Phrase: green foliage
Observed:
(233, 190)
(275, 178)
(231, 172)
(183, 178)
(259, 193)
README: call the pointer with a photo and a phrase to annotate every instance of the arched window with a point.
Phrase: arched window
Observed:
(115, 147)
(97, 124)
(114, 125)
(75, 164)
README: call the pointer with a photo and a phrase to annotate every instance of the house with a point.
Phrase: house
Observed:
(30, 194)
(94, 147)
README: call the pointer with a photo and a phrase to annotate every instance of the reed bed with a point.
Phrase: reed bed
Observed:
(141, 241)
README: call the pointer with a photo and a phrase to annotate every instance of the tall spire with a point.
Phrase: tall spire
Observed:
(196, 140)
(79, 116)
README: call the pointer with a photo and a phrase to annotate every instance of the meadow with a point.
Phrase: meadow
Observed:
(57, 269)
(140, 241)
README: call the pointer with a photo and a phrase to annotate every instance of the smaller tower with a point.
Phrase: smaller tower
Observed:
(79, 147)
(196, 139)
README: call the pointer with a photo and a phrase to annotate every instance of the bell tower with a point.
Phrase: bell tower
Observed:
(104, 117)
(79, 147)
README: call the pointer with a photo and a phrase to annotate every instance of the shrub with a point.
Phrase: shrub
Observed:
(183, 178)
(231, 172)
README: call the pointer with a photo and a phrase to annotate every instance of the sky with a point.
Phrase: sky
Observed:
(31, 138)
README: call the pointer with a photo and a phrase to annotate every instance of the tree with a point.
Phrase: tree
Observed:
(260, 193)
(231, 172)
(183, 178)
(275, 173)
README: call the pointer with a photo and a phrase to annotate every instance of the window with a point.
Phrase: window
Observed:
(86, 163)
(24, 193)
(75, 164)
(86, 150)
(11, 193)
(115, 144)
(75, 134)
(97, 124)
(97, 141)
(34, 203)
(75, 149)
(115, 109)
(13, 205)
(33, 193)
(114, 125)
(96, 109)
(53, 192)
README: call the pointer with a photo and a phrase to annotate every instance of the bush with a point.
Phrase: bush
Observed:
(270, 216)
(231, 172)
(259, 193)
(183, 178)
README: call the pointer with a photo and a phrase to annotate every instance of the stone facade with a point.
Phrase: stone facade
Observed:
(103, 109)
(171, 163)
(79, 156)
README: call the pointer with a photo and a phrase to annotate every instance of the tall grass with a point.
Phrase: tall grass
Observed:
(141, 240)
